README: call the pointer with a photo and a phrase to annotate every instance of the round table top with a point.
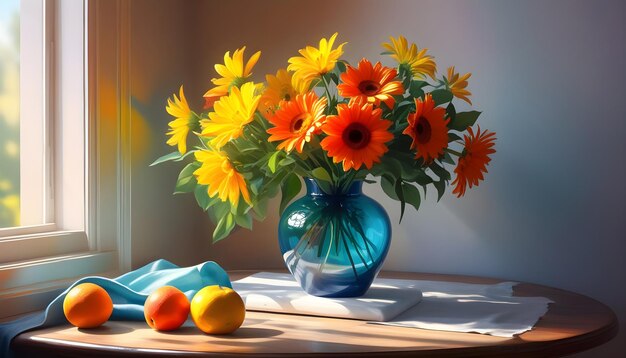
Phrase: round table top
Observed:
(573, 323)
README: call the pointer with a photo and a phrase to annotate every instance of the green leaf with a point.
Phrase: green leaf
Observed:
(411, 195)
(341, 66)
(389, 187)
(392, 165)
(325, 186)
(441, 188)
(423, 179)
(451, 111)
(401, 114)
(463, 120)
(166, 158)
(245, 221)
(202, 196)
(255, 185)
(440, 171)
(405, 75)
(186, 182)
(404, 103)
(260, 209)
(287, 161)
(242, 208)
(219, 209)
(271, 163)
(416, 88)
(290, 187)
(189, 152)
(441, 96)
(453, 137)
(386, 53)
(384, 107)
(406, 83)
(224, 227)
(321, 174)
(447, 158)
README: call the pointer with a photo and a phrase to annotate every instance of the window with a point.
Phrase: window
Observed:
(9, 113)
(71, 178)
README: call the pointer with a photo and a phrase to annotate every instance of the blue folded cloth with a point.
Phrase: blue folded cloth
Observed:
(128, 292)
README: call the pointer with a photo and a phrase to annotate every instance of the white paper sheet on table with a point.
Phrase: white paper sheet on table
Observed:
(448, 306)
(276, 292)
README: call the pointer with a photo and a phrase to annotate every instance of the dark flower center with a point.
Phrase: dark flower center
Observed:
(356, 136)
(423, 130)
(287, 97)
(297, 122)
(369, 88)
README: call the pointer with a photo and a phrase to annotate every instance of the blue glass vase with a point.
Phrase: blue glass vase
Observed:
(334, 244)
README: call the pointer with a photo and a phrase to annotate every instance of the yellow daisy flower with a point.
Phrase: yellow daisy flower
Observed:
(417, 60)
(218, 173)
(457, 84)
(185, 121)
(280, 87)
(231, 114)
(315, 62)
(233, 73)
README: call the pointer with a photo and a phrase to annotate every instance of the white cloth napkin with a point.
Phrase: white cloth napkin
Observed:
(276, 292)
(447, 306)
(464, 307)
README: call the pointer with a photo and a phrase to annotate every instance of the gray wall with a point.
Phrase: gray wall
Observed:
(549, 77)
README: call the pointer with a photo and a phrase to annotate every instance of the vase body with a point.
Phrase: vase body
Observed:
(334, 244)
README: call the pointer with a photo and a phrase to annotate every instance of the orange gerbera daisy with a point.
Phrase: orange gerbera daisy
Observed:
(428, 128)
(356, 135)
(297, 120)
(373, 83)
(473, 162)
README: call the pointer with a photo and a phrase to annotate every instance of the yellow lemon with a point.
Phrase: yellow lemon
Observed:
(217, 310)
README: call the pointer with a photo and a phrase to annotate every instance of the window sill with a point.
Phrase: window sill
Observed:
(15, 250)
(31, 285)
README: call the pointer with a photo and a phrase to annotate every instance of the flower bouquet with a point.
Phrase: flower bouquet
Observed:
(337, 125)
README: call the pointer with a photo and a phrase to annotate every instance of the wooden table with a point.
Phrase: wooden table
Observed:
(573, 323)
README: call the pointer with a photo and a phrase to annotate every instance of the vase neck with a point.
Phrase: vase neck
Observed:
(312, 188)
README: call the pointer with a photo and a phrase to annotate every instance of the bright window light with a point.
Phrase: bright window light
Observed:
(9, 113)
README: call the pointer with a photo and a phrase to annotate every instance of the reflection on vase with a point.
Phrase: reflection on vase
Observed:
(334, 244)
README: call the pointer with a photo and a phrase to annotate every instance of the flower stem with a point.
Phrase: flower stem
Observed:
(451, 151)
(328, 107)
(347, 180)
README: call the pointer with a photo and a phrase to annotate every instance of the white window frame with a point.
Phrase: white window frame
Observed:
(84, 130)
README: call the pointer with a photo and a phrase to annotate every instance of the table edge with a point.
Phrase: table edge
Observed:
(23, 345)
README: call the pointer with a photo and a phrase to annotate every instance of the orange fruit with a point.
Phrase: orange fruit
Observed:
(166, 309)
(87, 305)
(217, 310)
